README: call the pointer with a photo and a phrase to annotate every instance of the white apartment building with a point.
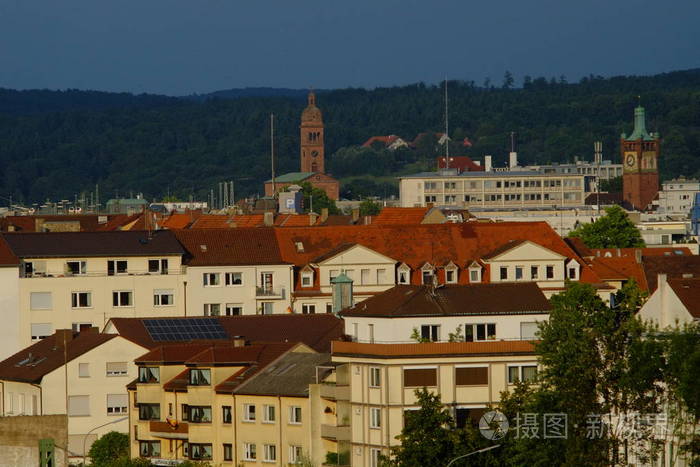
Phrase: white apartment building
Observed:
(72, 280)
(81, 374)
(677, 196)
(520, 188)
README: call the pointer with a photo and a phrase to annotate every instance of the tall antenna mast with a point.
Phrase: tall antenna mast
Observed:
(272, 151)
(512, 141)
(447, 131)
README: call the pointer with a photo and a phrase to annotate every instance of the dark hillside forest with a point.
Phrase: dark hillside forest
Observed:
(57, 144)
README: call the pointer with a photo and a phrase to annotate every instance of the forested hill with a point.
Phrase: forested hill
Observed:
(56, 145)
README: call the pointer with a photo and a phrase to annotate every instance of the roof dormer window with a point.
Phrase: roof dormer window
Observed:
(474, 273)
(427, 274)
(403, 274)
(307, 277)
(451, 273)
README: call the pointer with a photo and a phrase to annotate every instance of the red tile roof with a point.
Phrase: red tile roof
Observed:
(36, 361)
(385, 140)
(178, 220)
(400, 216)
(316, 331)
(211, 221)
(632, 252)
(224, 247)
(675, 267)
(620, 268)
(453, 300)
(7, 257)
(433, 349)
(88, 222)
(461, 163)
(415, 245)
(688, 292)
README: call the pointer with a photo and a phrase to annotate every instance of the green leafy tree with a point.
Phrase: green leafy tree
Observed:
(613, 230)
(316, 199)
(109, 448)
(613, 185)
(369, 207)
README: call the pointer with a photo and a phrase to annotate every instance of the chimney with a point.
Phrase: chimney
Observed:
(324, 215)
(238, 341)
(638, 255)
(487, 164)
(355, 215)
(661, 286)
(63, 335)
(513, 158)
(619, 253)
(312, 218)
(268, 219)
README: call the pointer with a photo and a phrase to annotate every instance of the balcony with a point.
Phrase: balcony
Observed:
(335, 392)
(131, 272)
(270, 292)
(337, 433)
(177, 430)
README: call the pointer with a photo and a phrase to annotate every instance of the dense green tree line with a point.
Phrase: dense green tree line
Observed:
(58, 144)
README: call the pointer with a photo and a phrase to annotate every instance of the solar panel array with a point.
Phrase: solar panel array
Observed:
(184, 329)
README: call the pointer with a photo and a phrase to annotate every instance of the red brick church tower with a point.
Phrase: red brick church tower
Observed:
(312, 157)
(640, 155)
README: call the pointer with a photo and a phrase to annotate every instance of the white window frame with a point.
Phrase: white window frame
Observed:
(472, 272)
(160, 269)
(308, 308)
(536, 275)
(228, 279)
(210, 307)
(82, 268)
(365, 276)
(268, 410)
(249, 415)
(475, 331)
(118, 296)
(250, 452)
(112, 373)
(427, 270)
(375, 377)
(455, 275)
(521, 270)
(307, 279)
(520, 367)
(501, 269)
(430, 327)
(406, 270)
(375, 418)
(381, 276)
(40, 331)
(554, 272)
(228, 310)
(75, 298)
(115, 267)
(120, 409)
(211, 279)
(374, 454)
(158, 295)
(270, 453)
(296, 453)
(295, 415)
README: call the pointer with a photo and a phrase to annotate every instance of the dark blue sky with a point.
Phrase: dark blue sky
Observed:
(185, 46)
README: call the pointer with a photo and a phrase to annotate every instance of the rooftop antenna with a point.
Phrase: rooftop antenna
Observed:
(447, 130)
(512, 141)
(272, 151)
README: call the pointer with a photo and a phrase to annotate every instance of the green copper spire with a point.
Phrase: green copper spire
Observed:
(640, 128)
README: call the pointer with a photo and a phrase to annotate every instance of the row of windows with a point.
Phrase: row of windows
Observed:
(464, 376)
(79, 406)
(366, 277)
(203, 451)
(519, 273)
(428, 275)
(497, 184)
(213, 279)
(79, 267)
(83, 299)
(203, 413)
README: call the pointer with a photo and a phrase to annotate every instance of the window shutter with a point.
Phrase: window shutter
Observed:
(78, 406)
(419, 377)
(117, 400)
(528, 330)
(40, 301)
(116, 368)
(471, 376)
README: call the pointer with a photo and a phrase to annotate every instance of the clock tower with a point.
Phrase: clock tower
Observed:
(312, 137)
(640, 154)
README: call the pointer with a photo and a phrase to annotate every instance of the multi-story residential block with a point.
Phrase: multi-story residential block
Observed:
(228, 403)
(677, 196)
(9, 300)
(471, 313)
(492, 189)
(81, 374)
(235, 272)
(82, 279)
(375, 385)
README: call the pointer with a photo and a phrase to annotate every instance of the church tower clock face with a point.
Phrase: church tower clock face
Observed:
(630, 161)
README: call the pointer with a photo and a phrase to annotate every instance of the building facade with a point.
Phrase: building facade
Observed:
(677, 196)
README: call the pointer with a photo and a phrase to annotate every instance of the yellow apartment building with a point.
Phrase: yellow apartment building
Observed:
(228, 404)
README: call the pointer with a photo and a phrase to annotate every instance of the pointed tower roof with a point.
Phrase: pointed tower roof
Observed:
(311, 113)
(640, 129)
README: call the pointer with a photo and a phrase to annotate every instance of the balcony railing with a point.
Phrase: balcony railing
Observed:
(335, 392)
(338, 433)
(42, 274)
(269, 292)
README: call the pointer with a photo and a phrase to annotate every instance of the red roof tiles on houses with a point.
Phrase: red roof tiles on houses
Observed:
(7, 257)
(211, 221)
(433, 349)
(36, 361)
(227, 247)
(452, 300)
(688, 292)
(400, 216)
(675, 267)
(178, 220)
(622, 268)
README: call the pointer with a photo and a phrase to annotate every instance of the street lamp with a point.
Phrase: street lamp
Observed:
(472, 453)
(97, 427)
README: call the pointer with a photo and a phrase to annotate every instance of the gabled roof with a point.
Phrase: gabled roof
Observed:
(7, 257)
(342, 248)
(290, 375)
(179, 220)
(400, 216)
(675, 267)
(224, 247)
(93, 244)
(211, 221)
(506, 247)
(403, 301)
(619, 269)
(88, 222)
(316, 331)
(36, 361)
(433, 349)
(688, 292)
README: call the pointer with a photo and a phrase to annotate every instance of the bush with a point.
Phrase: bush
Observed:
(109, 448)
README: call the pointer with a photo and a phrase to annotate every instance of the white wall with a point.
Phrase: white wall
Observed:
(9, 311)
